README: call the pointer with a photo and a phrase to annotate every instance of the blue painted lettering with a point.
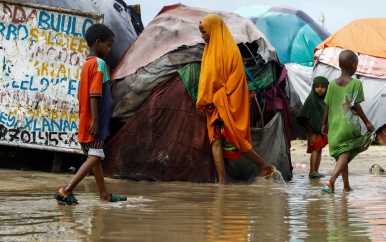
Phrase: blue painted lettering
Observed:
(74, 126)
(56, 125)
(73, 29)
(36, 126)
(46, 125)
(87, 23)
(66, 126)
(28, 123)
(71, 89)
(11, 30)
(44, 19)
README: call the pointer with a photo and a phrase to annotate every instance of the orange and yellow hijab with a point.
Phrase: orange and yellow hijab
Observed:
(223, 84)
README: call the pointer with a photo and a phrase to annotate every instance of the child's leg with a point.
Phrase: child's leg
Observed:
(313, 162)
(104, 195)
(218, 157)
(318, 159)
(346, 184)
(82, 172)
(340, 165)
(265, 168)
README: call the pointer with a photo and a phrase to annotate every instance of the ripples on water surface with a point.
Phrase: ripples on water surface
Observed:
(296, 211)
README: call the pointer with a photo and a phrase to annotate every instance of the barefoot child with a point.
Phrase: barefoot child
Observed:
(94, 115)
(341, 119)
(311, 117)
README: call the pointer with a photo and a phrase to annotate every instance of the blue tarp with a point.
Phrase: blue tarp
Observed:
(292, 32)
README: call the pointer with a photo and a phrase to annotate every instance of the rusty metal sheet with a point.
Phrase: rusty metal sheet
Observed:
(41, 54)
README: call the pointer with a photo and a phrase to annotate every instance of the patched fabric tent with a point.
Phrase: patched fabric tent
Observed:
(161, 136)
(367, 38)
(124, 20)
(294, 35)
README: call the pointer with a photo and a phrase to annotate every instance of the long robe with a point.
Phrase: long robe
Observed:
(223, 84)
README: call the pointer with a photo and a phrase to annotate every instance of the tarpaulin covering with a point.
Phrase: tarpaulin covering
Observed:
(117, 16)
(292, 32)
(294, 35)
(177, 25)
(275, 153)
(163, 137)
(366, 36)
(166, 140)
(131, 92)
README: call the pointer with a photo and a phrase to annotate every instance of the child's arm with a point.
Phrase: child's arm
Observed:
(362, 115)
(325, 121)
(310, 133)
(93, 130)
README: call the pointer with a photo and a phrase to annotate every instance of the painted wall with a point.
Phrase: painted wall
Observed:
(41, 54)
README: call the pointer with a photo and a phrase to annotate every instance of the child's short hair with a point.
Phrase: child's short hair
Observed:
(98, 31)
(347, 58)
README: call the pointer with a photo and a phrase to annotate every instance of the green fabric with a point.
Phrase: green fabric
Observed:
(344, 134)
(190, 75)
(313, 108)
(264, 75)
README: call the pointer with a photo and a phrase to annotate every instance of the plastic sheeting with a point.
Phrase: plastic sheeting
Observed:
(166, 140)
(116, 15)
(298, 89)
(131, 92)
(292, 32)
(177, 25)
(275, 153)
(365, 36)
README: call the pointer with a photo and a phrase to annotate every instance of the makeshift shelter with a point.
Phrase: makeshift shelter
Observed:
(163, 137)
(124, 20)
(367, 38)
(294, 35)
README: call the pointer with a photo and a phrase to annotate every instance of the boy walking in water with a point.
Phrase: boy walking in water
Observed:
(341, 118)
(94, 115)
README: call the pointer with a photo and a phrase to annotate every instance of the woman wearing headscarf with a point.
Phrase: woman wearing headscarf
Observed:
(223, 96)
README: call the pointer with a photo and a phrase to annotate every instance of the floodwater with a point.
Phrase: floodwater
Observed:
(178, 211)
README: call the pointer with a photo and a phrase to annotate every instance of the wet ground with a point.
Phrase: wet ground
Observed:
(179, 211)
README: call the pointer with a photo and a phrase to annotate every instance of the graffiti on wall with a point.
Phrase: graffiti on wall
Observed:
(41, 55)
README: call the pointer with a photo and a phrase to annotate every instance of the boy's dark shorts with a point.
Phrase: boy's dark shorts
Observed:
(93, 148)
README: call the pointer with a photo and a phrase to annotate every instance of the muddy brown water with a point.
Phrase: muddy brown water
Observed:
(179, 211)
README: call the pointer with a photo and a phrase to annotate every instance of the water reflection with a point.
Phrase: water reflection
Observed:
(261, 211)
